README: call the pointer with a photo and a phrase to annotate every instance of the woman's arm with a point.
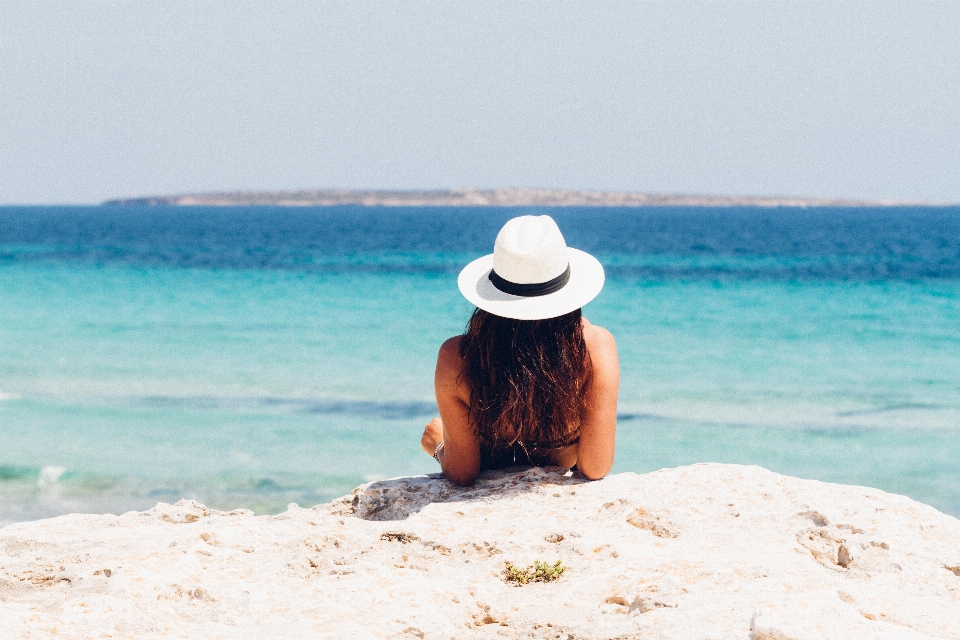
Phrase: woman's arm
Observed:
(598, 430)
(460, 454)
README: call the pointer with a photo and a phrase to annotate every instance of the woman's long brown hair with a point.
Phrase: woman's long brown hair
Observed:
(526, 377)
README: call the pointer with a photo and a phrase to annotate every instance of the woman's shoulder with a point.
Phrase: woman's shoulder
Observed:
(450, 367)
(448, 360)
(450, 349)
(598, 338)
(603, 351)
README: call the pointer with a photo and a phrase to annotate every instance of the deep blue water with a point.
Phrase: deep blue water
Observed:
(835, 244)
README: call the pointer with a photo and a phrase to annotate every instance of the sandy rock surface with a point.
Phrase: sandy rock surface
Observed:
(705, 551)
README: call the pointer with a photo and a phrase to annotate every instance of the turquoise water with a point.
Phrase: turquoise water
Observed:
(124, 382)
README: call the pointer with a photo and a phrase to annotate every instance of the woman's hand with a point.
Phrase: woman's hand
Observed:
(432, 435)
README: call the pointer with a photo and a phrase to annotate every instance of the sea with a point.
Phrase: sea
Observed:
(252, 357)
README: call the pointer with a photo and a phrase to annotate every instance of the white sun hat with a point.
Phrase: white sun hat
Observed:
(532, 274)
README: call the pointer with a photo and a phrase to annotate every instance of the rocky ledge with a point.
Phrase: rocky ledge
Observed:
(705, 551)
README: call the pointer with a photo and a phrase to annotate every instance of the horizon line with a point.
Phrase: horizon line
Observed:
(502, 197)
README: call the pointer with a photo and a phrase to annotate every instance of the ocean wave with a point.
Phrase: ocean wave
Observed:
(367, 408)
(385, 409)
(907, 406)
(50, 475)
(17, 473)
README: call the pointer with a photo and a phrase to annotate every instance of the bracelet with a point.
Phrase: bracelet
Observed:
(437, 450)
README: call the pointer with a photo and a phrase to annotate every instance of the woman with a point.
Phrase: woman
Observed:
(531, 382)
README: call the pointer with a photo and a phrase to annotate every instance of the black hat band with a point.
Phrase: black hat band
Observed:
(531, 290)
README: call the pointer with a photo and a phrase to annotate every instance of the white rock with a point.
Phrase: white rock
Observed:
(706, 551)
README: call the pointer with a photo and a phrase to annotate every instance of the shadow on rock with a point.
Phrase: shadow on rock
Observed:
(400, 498)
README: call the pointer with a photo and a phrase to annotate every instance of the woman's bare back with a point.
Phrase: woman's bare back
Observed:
(593, 453)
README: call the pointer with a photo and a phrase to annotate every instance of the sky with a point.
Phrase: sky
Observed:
(104, 100)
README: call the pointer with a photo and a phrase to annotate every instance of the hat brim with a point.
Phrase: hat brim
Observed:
(586, 280)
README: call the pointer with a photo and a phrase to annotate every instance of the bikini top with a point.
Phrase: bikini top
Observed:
(520, 453)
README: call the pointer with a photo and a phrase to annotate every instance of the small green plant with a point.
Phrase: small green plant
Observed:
(537, 572)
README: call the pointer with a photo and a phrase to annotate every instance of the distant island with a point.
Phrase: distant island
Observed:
(468, 197)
